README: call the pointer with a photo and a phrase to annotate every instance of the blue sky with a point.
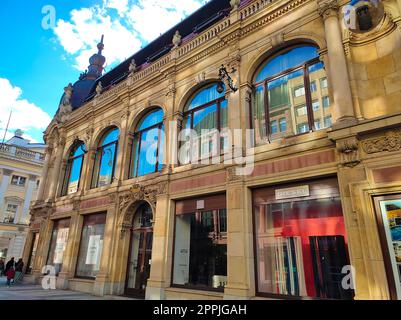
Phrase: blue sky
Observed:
(37, 63)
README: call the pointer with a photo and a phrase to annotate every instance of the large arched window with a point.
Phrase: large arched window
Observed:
(206, 115)
(148, 148)
(74, 168)
(291, 95)
(105, 160)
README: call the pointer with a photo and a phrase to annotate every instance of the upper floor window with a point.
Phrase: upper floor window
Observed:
(285, 87)
(11, 212)
(205, 121)
(18, 181)
(147, 154)
(105, 159)
(74, 168)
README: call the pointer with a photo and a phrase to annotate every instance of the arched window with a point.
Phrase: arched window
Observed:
(74, 168)
(291, 95)
(148, 148)
(205, 115)
(105, 160)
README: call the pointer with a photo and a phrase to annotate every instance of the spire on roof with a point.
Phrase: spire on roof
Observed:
(96, 63)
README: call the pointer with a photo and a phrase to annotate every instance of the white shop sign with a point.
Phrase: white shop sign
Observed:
(295, 192)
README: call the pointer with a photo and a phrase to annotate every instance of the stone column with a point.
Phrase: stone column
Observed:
(3, 188)
(343, 105)
(160, 272)
(175, 128)
(45, 233)
(122, 160)
(56, 171)
(45, 173)
(28, 198)
(102, 283)
(87, 171)
(240, 258)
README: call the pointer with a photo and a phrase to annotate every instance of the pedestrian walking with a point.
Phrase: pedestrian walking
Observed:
(10, 271)
(18, 270)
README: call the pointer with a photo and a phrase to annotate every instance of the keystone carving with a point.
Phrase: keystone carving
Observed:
(348, 149)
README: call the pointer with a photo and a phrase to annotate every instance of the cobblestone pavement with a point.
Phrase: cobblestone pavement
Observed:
(35, 292)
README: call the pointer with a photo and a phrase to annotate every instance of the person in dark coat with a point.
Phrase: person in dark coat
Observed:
(10, 270)
(18, 270)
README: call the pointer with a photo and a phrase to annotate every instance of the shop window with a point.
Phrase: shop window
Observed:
(58, 244)
(147, 153)
(74, 168)
(91, 246)
(200, 256)
(18, 181)
(282, 84)
(301, 243)
(388, 210)
(105, 160)
(206, 115)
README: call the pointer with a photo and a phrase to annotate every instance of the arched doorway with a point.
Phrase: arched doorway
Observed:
(140, 251)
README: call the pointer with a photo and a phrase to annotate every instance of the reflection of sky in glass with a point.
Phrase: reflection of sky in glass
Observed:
(151, 119)
(205, 118)
(205, 96)
(110, 137)
(107, 163)
(284, 79)
(76, 170)
(316, 67)
(79, 150)
(148, 152)
(287, 60)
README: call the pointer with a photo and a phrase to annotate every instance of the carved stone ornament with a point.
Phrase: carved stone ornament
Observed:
(235, 4)
(177, 39)
(328, 8)
(232, 175)
(65, 107)
(349, 152)
(391, 141)
(99, 88)
(132, 66)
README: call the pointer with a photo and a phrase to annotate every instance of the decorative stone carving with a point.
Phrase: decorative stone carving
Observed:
(391, 141)
(132, 66)
(88, 136)
(235, 4)
(277, 39)
(177, 39)
(99, 88)
(200, 77)
(65, 107)
(328, 8)
(232, 174)
(349, 152)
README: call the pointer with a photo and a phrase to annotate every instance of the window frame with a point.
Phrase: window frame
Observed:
(190, 113)
(18, 178)
(68, 171)
(97, 163)
(307, 85)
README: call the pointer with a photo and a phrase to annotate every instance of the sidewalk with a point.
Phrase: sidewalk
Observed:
(23, 291)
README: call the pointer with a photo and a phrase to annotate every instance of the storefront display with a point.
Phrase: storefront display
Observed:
(91, 247)
(301, 244)
(200, 253)
(58, 244)
(389, 216)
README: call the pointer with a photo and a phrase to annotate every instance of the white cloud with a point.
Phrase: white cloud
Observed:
(25, 115)
(125, 24)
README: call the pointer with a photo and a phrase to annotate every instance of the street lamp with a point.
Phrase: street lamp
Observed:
(223, 74)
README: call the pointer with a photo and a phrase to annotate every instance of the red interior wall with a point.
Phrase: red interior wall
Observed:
(315, 220)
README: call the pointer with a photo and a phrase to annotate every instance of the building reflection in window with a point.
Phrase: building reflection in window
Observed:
(74, 168)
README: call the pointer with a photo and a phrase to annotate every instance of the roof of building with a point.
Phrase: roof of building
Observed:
(19, 141)
(207, 15)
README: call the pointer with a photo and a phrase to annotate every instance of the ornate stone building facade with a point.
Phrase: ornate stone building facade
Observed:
(323, 101)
